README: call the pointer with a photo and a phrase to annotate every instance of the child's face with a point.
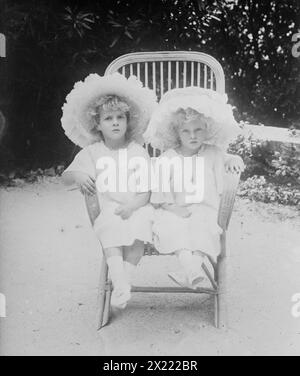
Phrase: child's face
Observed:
(192, 134)
(113, 124)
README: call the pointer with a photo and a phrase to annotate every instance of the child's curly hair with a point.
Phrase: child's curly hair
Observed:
(179, 118)
(110, 103)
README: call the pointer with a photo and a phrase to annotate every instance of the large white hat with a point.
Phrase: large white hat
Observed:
(209, 103)
(78, 114)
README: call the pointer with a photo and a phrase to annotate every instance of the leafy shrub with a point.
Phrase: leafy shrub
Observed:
(253, 153)
(285, 169)
(257, 188)
(270, 176)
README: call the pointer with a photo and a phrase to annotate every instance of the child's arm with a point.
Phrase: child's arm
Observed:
(126, 210)
(141, 200)
(233, 163)
(84, 181)
(81, 172)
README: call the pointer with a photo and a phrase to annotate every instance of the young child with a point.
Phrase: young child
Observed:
(192, 123)
(107, 116)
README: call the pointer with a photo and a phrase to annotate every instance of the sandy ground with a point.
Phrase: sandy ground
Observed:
(49, 266)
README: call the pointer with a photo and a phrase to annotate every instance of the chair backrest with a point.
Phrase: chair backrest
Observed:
(163, 71)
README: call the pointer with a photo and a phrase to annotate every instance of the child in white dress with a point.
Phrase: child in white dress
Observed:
(191, 123)
(107, 116)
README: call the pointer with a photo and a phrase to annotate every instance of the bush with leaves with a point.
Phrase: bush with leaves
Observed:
(270, 176)
(286, 168)
(257, 188)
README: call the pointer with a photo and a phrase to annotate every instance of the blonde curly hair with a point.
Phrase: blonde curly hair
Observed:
(110, 103)
(170, 133)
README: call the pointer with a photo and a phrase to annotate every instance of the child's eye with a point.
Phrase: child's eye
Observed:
(108, 118)
(121, 117)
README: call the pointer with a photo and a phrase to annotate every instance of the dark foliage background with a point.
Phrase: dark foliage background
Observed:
(52, 44)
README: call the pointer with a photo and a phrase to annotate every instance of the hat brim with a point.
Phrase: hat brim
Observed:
(212, 105)
(77, 121)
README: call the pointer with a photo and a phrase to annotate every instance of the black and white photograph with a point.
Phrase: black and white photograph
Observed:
(149, 180)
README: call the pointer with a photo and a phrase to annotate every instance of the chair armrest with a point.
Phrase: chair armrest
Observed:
(231, 182)
(93, 207)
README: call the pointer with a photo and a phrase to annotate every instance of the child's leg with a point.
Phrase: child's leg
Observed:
(132, 256)
(192, 266)
(134, 253)
(114, 259)
(121, 292)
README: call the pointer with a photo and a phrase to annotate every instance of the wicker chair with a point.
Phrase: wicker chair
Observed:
(163, 71)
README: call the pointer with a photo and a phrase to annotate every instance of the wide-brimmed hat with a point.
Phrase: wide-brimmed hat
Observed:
(211, 104)
(78, 120)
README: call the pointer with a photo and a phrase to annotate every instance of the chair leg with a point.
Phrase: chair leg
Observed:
(221, 313)
(102, 294)
(107, 306)
(210, 277)
(216, 306)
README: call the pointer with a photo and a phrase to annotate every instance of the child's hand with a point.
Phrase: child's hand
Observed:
(86, 183)
(234, 164)
(125, 211)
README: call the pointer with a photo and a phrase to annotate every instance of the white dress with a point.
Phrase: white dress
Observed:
(200, 231)
(110, 228)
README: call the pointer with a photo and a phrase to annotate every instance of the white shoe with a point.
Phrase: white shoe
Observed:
(183, 281)
(180, 279)
(120, 297)
(197, 282)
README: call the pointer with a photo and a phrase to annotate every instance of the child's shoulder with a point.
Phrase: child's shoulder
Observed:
(92, 152)
(212, 151)
(135, 146)
(95, 146)
(136, 149)
(97, 149)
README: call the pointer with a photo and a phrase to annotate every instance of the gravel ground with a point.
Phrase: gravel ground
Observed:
(49, 266)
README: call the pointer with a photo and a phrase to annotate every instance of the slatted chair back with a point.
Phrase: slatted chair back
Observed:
(163, 71)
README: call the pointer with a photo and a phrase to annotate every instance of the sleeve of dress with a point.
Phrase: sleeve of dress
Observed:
(219, 170)
(83, 162)
(159, 195)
